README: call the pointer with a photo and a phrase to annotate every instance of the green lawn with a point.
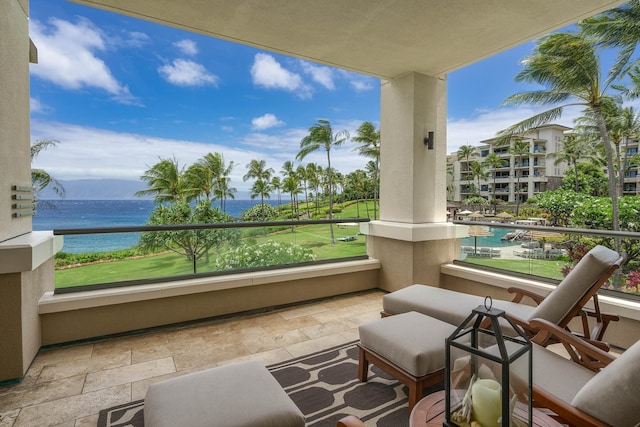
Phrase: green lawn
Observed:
(538, 267)
(315, 237)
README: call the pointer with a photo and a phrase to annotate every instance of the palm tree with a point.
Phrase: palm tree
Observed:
(321, 137)
(313, 175)
(478, 172)
(568, 68)
(467, 152)
(369, 139)
(258, 170)
(206, 176)
(40, 179)
(373, 169)
(262, 189)
(494, 161)
(165, 181)
(276, 184)
(291, 185)
(223, 192)
(301, 173)
(617, 28)
(519, 149)
(574, 148)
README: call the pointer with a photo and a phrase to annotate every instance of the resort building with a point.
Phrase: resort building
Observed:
(410, 46)
(525, 174)
(520, 175)
(631, 184)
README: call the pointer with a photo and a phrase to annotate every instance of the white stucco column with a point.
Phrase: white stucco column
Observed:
(412, 237)
(413, 177)
(26, 257)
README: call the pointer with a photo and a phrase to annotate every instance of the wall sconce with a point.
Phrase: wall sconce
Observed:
(428, 141)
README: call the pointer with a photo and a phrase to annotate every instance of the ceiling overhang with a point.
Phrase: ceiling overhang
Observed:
(385, 39)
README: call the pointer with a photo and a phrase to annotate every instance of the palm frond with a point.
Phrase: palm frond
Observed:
(530, 123)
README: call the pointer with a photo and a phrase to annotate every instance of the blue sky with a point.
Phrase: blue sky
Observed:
(119, 93)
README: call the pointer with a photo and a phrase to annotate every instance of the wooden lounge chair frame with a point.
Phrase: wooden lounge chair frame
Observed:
(594, 335)
(580, 352)
(602, 320)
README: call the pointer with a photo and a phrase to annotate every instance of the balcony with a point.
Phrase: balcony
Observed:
(68, 385)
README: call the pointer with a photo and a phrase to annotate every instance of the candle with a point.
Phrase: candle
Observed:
(485, 402)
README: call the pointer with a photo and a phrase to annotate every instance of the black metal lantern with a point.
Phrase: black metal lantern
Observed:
(488, 375)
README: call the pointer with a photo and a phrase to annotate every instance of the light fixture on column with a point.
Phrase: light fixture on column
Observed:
(428, 141)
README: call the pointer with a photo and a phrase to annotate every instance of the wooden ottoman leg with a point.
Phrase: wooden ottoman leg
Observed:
(363, 365)
(415, 394)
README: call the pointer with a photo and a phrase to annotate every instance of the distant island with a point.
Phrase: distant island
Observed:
(105, 189)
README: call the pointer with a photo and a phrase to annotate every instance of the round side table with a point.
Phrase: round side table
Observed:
(429, 412)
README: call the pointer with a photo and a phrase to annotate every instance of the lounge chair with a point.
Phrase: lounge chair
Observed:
(564, 303)
(592, 388)
(605, 391)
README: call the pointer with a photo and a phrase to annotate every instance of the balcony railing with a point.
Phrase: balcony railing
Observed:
(172, 252)
(548, 253)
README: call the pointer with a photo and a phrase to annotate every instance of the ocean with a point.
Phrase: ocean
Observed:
(59, 214)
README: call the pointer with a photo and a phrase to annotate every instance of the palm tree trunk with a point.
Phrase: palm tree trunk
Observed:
(613, 190)
(333, 239)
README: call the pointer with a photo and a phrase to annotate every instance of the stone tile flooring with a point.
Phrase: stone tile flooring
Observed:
(68, 386)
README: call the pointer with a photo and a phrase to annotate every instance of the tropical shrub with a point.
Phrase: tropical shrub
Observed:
(255, 213)
(251, 255)
(193, 244)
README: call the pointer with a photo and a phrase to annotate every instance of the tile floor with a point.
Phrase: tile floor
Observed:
(68, 386)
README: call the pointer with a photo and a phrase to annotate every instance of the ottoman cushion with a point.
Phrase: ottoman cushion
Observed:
(244, 394)
(412, 341)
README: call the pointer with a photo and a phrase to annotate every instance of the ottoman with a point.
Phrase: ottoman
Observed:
(409, 346)
(240, 395)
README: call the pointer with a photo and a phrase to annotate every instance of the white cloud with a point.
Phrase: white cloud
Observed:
(67, 57)
(359, 82)
(183, 72)
(361, 85)
(136, 39)
(319, 74)
(265, 122)
(268, 73)
(187, 47)
(38, 107)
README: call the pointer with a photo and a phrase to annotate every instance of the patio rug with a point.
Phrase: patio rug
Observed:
(324, 385)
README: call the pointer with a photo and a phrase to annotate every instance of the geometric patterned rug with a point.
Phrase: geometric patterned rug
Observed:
(324, 385)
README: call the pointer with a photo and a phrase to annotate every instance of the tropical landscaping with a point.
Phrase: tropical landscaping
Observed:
(564, 68)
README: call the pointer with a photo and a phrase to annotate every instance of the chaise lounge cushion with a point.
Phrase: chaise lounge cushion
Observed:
(613, 395)
(448, 306)
(558, 375)
(576, 284)
(453, 307)
(239, 395)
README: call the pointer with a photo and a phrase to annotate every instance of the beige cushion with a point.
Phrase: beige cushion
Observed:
(240, 395)
(558, 375)
(613, 396)
(449, 306)
(585, 274)
(412, 341)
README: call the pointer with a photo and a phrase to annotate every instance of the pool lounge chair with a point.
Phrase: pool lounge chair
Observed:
(564, 303)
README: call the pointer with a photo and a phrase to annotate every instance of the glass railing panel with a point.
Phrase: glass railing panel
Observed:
(167, 254)
(548, 253)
